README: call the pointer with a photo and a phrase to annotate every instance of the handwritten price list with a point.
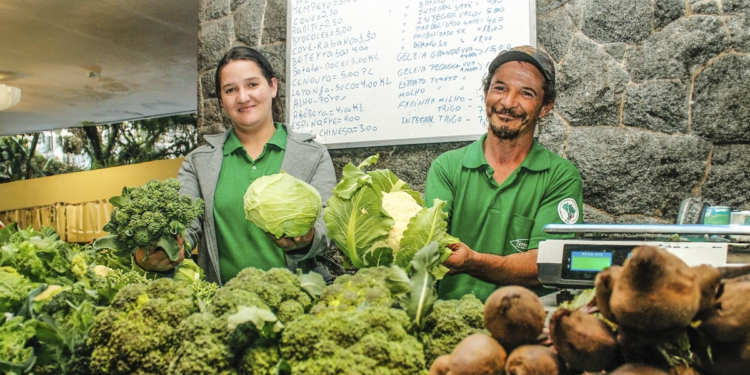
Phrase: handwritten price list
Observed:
(395, 72)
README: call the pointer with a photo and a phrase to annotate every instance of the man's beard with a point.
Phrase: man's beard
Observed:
(502, 131)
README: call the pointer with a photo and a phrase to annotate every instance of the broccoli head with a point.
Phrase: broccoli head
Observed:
(370, 340)
(367, 287)
(260, 358)
(200, 346)
(275, 287)
(151, 214)
(206, 343)
(134, 334)
(450, 322)
(226, 301)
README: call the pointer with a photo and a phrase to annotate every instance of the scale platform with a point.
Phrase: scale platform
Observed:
(574, 263)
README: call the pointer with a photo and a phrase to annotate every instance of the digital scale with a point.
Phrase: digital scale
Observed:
(574, 263)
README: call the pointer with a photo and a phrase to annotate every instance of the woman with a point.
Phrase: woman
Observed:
(221, 171)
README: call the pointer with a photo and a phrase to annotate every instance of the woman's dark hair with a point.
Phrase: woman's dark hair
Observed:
(247, 53)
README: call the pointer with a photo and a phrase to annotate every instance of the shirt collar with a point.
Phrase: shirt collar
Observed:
(536, 160)
(233, 143)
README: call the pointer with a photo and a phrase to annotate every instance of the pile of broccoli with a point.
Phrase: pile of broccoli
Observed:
(73, 310)
(209, 342)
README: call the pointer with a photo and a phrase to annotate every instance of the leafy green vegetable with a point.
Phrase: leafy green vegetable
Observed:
(150, 216)
(422, 294)
(14, 288)
(15, 357)
(376, 219)
(282, 205)
(42, 257)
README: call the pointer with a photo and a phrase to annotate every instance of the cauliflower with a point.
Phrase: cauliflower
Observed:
(101, 270)
(401, 207)
(376, 219)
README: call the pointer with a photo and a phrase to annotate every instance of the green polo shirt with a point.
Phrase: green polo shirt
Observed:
(241, 243)
(501, 219)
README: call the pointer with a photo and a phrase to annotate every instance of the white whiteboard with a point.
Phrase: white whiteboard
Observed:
(386, 72)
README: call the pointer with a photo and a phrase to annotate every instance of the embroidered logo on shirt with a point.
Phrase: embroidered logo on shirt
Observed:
(568, 210)
(520, 245)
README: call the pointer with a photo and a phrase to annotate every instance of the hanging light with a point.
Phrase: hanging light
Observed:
(9, 96)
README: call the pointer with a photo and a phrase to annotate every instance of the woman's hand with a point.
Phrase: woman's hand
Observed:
(158, 260)
(294, 243)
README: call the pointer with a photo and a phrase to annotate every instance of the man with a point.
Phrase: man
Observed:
(504, 188)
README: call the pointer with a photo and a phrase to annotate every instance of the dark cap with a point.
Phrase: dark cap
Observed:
(540, 59)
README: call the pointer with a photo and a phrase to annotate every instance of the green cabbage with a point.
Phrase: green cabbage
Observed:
(282, 205)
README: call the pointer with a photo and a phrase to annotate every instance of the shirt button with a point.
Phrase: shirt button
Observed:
(254, 167)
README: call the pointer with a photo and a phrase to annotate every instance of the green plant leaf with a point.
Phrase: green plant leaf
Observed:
(429, 224)
(47, 333)
(371, 160)
(282, 368)
(170, 245)
(18, 368)
(108, 242)
(378, 255)
(6, 232)
(263, 319)
(398, 282)
(175, 227)
(188, 271)
(311, 282)
(422, 294)
(387, 182)
(120, 201)
(352, 179)
(357, 223)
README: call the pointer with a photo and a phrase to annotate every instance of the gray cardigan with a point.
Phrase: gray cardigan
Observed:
(304, 159)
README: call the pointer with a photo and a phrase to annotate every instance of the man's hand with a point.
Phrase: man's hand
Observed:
(461, 261)
(158, 260)
(294, 243)
(517, 269)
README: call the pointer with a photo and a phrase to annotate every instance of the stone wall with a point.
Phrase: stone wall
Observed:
(653, 98)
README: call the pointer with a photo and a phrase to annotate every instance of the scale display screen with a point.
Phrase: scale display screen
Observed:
(590, 260)
(583, 261)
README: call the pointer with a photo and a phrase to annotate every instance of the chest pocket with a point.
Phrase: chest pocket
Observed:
(519, 233)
